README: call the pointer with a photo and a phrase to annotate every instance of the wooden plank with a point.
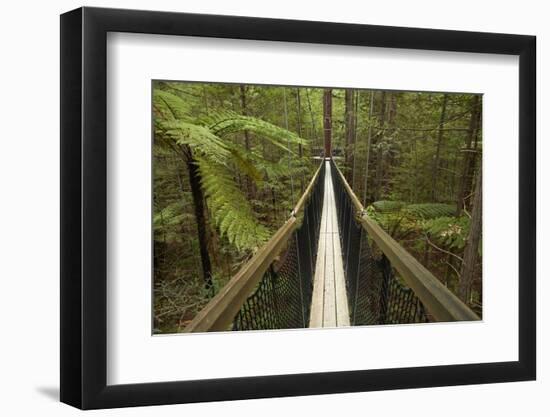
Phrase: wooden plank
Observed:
(318, 296)
(329, 309)
(341, 297)
(317, 300)
(329, 306)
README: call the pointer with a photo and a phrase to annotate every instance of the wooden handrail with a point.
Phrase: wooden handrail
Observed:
(440, 302)
(219, 313)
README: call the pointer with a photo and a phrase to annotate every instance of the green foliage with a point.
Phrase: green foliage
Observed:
(198, 138)
(227, 122)
(386, 206)
(429, 210)
(166, 220)
(450, 232)
(230, 208)
(169, 106)
(218, 159)
(400, 219)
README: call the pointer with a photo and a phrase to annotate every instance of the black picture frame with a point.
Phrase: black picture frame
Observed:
(84, 207)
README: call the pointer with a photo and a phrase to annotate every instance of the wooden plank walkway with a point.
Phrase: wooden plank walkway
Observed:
(329, 305)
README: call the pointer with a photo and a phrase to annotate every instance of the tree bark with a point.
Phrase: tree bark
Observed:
(198, 202)
(435, 169)
(379, 150)
(469, 159)
(349, 132)
(250, 186)
(299, 128)
(467, 273)
(327, 121)
(313, 129)
(367, 157)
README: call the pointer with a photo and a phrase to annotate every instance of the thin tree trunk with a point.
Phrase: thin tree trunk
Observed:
(198, 202)
(299, 127)
(468, 161)
(299, 120)
(379, 150)
(356, 128)
(435, 169)
(369, 138)
(313, 129)
(250, 186)
(350, 131)
(467, 273)
(327, 121)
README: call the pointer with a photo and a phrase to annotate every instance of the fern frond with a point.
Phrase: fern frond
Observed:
(227, 122)
(199, 138)
(387, 206)
(246, 163)
(430, 210)
(169, 106)
(451, 232)
(230, 208)
(167, 221)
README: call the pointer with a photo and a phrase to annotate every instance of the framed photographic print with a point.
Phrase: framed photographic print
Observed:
(256, 208)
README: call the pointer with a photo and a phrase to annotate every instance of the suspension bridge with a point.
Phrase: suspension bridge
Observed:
(329, 265)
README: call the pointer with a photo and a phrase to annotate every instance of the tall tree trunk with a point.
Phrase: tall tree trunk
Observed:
(299, 120)
(327, 121)
(350, 132)
(250, 186)
(198, 202)
(299, 127)
(435, 169)
(467, 273)
(382, 116)
(367, 157)
(313, 129)
(469, 160)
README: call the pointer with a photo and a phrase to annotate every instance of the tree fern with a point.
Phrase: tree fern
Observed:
(227, 122)
(215, 157)
(166, 221)
(386, 206)
(199, 138)
(401, 219)
(169, 106)
(450, 232)
(430, 210)
(230, 208)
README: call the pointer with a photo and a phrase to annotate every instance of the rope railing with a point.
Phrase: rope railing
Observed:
(273, 289)
(376, 294)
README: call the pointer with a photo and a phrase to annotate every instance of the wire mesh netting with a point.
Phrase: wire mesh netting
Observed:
(375, 294)
(282, 299)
